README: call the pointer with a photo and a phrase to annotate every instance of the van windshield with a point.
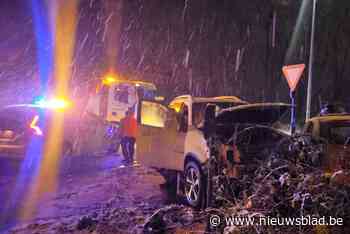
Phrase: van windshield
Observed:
(198, 109)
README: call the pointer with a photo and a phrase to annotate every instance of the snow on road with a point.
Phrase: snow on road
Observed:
(100, 189)
(97, 194)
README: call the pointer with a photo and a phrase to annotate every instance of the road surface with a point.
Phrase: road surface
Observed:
(88, 185)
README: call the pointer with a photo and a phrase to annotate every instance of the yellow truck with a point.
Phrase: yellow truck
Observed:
(114, 97)
(106, 103)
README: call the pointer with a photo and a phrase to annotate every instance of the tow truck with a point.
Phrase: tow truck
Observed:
(107, 101)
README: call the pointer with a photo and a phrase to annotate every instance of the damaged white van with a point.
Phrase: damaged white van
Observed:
(178, 140)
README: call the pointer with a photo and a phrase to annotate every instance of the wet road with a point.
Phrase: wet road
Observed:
(16, 173)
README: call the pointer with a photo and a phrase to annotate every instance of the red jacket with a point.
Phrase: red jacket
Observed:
(128, 126)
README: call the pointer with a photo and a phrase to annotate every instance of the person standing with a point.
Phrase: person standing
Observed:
(128, 126)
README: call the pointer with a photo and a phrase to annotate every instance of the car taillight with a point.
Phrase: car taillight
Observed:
(33, 125)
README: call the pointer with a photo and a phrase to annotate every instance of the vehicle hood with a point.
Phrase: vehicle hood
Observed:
(258, 113)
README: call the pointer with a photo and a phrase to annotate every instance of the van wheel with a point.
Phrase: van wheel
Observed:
(194, 184)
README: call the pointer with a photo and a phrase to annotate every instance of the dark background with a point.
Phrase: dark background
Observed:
(191, 47)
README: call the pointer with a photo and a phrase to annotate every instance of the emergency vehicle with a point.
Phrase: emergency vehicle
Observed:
(107, 102)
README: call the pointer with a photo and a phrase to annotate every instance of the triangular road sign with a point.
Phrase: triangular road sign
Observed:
(293, 74)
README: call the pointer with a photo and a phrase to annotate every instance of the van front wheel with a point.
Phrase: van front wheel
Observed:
(193, 184)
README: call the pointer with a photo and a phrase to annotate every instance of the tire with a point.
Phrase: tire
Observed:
(194, 185)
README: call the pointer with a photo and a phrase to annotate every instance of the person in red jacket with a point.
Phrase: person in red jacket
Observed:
(128, 126)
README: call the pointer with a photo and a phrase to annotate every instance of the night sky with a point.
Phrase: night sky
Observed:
(204, 47)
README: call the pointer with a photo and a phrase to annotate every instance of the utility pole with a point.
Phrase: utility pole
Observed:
(311, 59)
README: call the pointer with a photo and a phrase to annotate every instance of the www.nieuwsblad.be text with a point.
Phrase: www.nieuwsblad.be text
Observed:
(216, 220)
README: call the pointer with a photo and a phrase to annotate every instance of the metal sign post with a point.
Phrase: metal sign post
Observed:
(293, 74)
(293, 114)
(311, 59)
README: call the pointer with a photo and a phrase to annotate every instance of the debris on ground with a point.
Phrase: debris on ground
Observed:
(290, 183)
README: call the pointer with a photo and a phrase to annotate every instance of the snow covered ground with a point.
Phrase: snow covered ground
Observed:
(95, 193)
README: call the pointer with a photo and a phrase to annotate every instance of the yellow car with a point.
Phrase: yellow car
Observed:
(334, 130)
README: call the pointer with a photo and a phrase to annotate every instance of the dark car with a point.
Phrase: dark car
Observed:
(249, 133)
(20, 124)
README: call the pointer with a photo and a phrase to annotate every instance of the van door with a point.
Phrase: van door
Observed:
(151, 147)
(173, 141)
(179, 131)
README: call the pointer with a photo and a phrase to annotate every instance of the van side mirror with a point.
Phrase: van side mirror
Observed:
(209, 120)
